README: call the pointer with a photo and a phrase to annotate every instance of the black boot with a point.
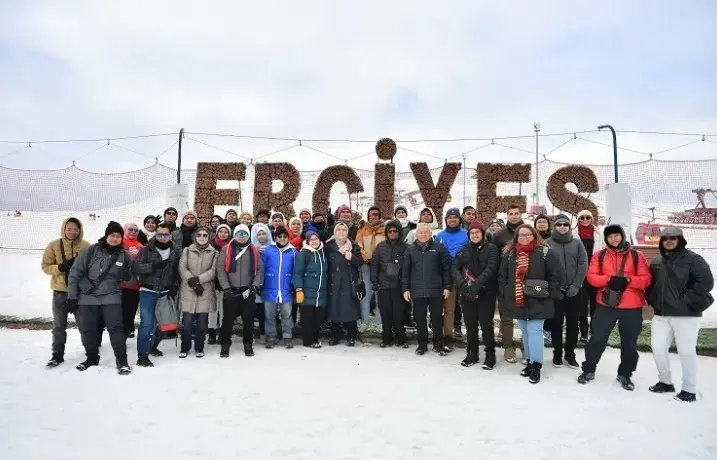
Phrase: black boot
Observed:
(489, 362)
(535, 373)
(248, 350)
(55, 361)
(156, 352)
(586, 377)
(123, 366)
(626, 383)
(143, 361)
(471, 359)
(685, 396)
(212, 337)
(224, 352)
(526, 370)
(660, 387)
(86, 364)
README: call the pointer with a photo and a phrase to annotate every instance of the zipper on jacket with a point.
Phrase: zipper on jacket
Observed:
(321, 274)
(281, 258)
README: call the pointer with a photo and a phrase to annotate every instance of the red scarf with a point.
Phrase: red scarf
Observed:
(586, 232)
(220, 243)
(523, 252)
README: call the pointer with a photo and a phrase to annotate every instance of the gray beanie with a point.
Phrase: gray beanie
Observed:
(672, 231)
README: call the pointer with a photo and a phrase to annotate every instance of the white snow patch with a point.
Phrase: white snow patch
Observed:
(341, 403)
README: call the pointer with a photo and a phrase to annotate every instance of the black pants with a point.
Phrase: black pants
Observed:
(260, 316)
(233, 307)
(566, 312)
(130, 303)
(629, 323)
(587, 308)
(407, 314)
(480, 312)
(92, 317)
(458, 315)
(350, 326)
(422, 307)
(59, 322)
(391, 306)
(311, 319)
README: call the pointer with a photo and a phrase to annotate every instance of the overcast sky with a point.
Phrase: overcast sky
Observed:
(316, 69)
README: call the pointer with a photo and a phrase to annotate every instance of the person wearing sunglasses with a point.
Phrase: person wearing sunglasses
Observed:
(197, 297)
(156, 268)
(590, 236)
(170, 218)
(575, 266)
(277, 290)
(679, 292)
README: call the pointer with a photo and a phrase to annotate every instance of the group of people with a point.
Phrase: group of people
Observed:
(333, 266)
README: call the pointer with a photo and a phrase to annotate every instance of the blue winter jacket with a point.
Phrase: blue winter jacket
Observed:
(311, 275)
(453, 239)
(278, 274)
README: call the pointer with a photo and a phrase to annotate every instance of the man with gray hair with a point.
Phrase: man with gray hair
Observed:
(679, 292)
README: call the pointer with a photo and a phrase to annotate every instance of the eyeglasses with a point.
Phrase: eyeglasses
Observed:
(524, 236)
(562, 225)
(202, 235)
(585, 218)
(132, 230)
(162, 236)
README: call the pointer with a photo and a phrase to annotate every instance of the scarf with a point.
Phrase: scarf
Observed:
(230, 263)
(147, 233)
(344, 247)
(220, 243)
(523, 252)
(187, 235)
(586, 232)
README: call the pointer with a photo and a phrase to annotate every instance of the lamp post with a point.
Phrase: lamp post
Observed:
(614, 147)
(536, 128)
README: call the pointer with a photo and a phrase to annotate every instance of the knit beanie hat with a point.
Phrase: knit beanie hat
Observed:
(455, 212)
(400, 208)
(242, 228)
(114, 227)
(562, 219)
(170, 209)
(476, 225)
(226, 227)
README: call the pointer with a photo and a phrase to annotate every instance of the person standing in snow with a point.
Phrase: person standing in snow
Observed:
(494, 226)
(305, 218)
(401, 214)
(344, 214)
(247, 219)
(149, 226)
(231, 219)
(296, 229)
(368, 236)
(183, 237)
(130, 289)
(679, 292)
(311, 281)
(156, 268)
(197, 297)
(529, 283)
(542, 225)
(214, 224)
(94, 288)
(170, 218)
(426, 216)
(262, 216)
(222, 238)
(468, 216)
(575, 266)
(475, 273)
(277, 220)
(261, 239)
(240, 272)
(386, 267)
(501, 239)
(57, 260)
(277, 290)
(591, 238)
(621, 275)
(426, 280)
(454, 237)
(344, 258)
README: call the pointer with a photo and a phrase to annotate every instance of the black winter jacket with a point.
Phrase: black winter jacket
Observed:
(155, 278)
(505, 236)
(541, 267)
(483, 261)
(681, 284)
(426, 270)
(387, 264)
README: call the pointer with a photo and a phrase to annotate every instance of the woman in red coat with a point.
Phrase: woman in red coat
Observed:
(130, 289)
(620, 274)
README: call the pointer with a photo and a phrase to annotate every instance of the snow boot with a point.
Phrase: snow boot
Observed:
(287, 344)
(55, 361)
(471, 359)
(572, 363)
(489, 362)
(224, 352)
(557, 361)
(156, 352)
(684, 396)
(586, 377)
(212, 337)
(535, 373)
(660, 387)
(123, 366)
(248, 350)
(526, 370)
(351, 342)
(143, 361)
(183, 354)
(626, 383)
(86, 364)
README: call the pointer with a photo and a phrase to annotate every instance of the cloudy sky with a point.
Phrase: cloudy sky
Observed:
(352, 70)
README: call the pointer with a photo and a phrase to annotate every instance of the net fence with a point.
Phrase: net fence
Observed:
(34, 203)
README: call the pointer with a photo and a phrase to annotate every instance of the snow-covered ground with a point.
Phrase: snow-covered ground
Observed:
(342, 403)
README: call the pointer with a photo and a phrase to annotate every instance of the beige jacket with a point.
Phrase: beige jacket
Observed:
(202, 264)
(52, 257)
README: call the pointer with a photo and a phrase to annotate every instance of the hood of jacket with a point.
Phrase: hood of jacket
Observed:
(435, 225)
(255, 230)
(395, 224)
(309, 248)
(80, 236)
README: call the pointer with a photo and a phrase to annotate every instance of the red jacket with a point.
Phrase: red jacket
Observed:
(634, 295)
(133, 247)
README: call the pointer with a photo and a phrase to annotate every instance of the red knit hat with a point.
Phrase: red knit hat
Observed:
(476, 225)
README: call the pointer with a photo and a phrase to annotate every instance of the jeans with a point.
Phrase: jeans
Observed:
(91, 319)
(629, 323)
(287, 323)
(684, 331)
(366, 301)
(194, 323)
(148, 337)
(532, 339)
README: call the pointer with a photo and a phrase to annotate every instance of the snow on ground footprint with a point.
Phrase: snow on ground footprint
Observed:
(341, 403)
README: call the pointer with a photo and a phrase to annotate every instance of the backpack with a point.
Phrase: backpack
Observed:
(633, 253)
(166, 313)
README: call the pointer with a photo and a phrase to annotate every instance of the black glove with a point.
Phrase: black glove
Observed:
(257, 290)
(172, 291)
(198, 289)
(228, 294)
(193, 281)
(160, 265)
(71, 305)
(464, 289)
(617, 283)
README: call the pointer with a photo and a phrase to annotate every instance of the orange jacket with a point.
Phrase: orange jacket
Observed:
(634, 295)
(133, 247)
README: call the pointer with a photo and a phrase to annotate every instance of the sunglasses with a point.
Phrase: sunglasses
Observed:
(171, 213)
(202, 235)
(244, 234)
(132, 230)
(162, 236)
(281, 237)
(585, 218)
(562, 225)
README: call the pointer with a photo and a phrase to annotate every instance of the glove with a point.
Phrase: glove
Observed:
(257, 290)
(300, 297)
(198, 289)
(617, 283)
(193, 281)
(572, 291)
(464, 288)
(228, 294)
(172, 291)
(71, 305)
